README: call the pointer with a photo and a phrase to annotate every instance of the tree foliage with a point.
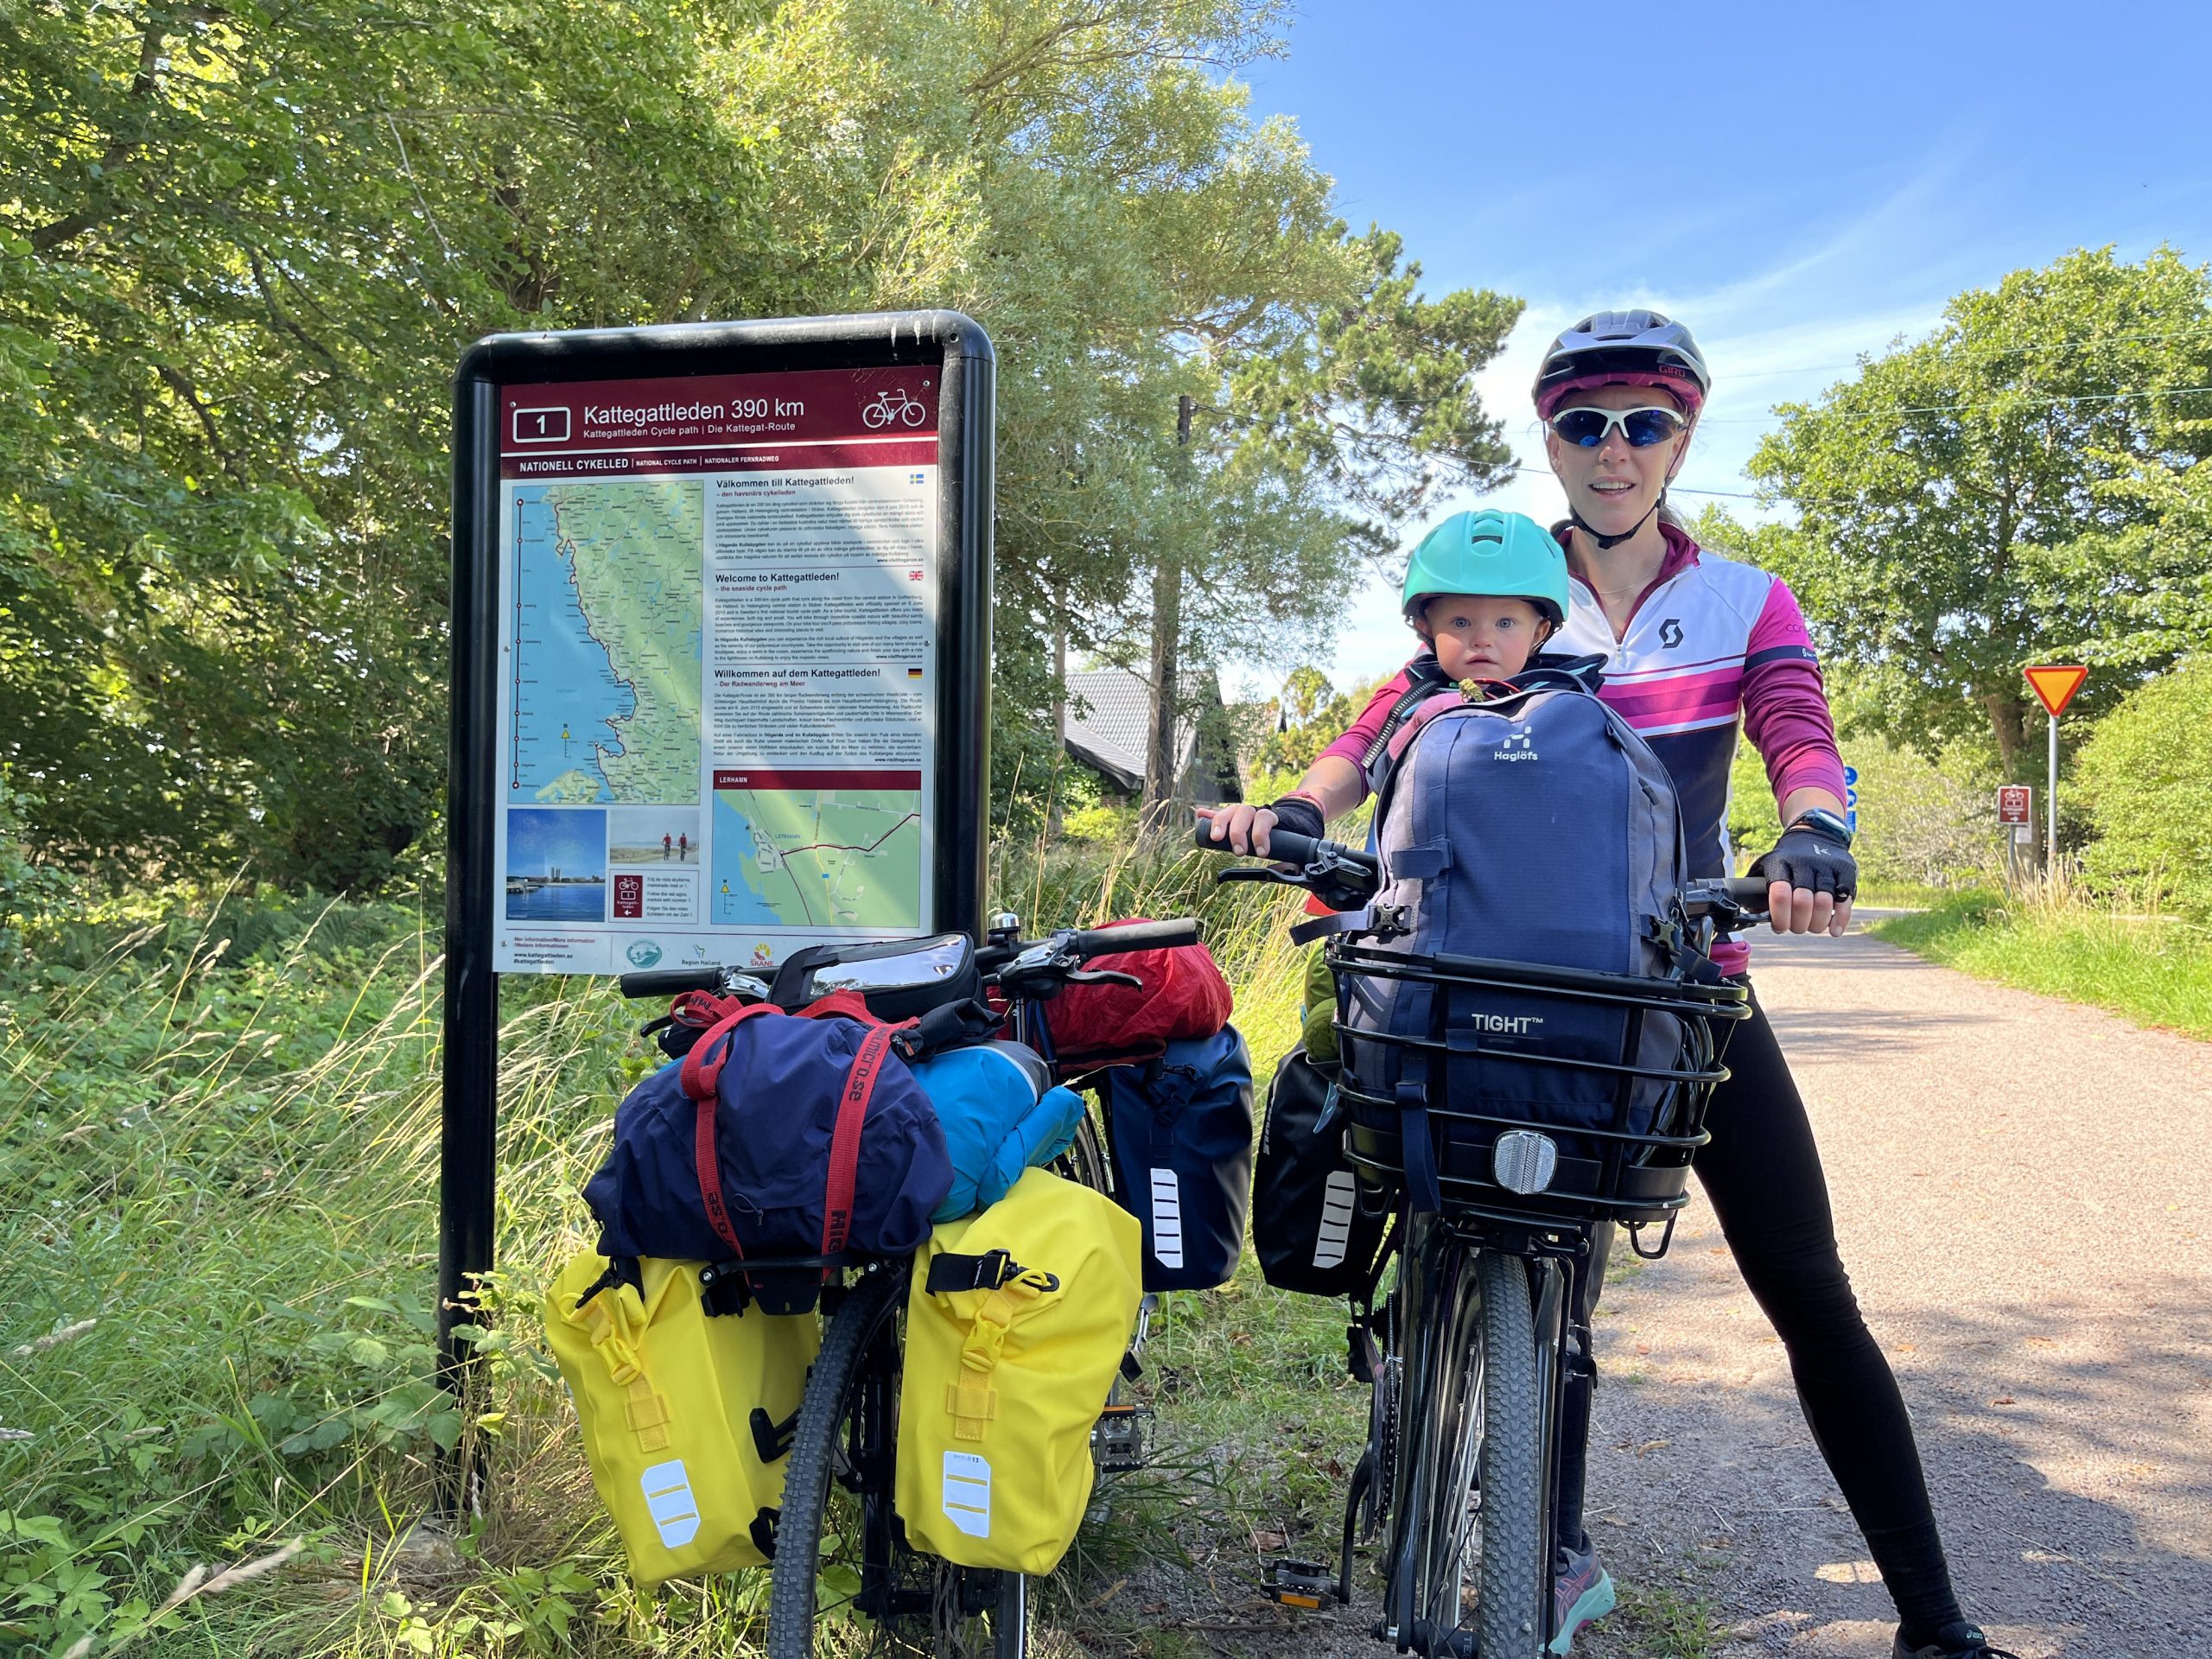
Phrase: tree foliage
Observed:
(2145, 775)
(2023, 486)
(242, 247)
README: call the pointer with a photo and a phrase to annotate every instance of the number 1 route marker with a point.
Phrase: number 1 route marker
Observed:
(2055, 685)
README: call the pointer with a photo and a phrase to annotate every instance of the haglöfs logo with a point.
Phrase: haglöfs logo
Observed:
(1520, 744)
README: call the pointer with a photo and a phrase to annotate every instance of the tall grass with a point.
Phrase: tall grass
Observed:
(2055, 937)
(217, 1215)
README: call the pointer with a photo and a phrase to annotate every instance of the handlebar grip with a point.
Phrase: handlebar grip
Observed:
(1284, 846)
(1133, 936)
(671, 981)
(1750, 891)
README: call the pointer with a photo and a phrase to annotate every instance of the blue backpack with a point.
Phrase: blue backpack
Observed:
(1538, 828)
(777, 1135)
(1181, 1126)
(1000, 1114)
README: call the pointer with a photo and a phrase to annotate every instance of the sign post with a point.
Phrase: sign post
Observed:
(2055, 685)
(2016, 817)
(721, 668)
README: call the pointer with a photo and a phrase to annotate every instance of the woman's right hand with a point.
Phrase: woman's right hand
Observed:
(1243, 826)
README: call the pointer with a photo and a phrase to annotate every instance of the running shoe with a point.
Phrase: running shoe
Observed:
(1582, 1592)
(1960, 1641)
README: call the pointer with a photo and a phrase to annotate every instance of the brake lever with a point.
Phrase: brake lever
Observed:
(1260, 873)
(1102, 977)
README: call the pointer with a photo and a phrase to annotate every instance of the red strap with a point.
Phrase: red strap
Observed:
(845, 1138)
(699, 1078)
(709, 1165)
(701, 1074)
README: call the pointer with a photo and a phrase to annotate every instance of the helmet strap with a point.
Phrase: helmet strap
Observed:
(1606, 542)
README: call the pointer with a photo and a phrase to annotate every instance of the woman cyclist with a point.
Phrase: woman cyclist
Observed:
(1695, 645)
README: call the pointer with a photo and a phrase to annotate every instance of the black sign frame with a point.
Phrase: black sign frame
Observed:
(946, 341)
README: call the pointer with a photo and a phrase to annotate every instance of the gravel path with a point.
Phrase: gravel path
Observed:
(2022, 1196)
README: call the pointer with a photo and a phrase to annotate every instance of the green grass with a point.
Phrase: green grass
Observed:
(2158, 973)
(219, 1146)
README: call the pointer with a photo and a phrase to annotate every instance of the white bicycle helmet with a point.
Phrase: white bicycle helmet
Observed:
(1617, 348)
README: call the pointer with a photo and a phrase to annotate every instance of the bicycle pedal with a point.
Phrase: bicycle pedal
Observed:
(1117, 1443)
(1300, 1583)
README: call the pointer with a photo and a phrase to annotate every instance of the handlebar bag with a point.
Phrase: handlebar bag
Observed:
(1536, 828)
(778, 1136)
(1016, 1322)
(1181, 1128)
(1308, 1228)
(1183, 996)
(1001, 1113)
(685, 1415)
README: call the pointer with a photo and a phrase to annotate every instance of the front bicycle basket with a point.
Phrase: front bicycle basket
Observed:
(1530, 1092)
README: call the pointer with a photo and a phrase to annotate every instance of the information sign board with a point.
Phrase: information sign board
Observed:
(2015, 803)
(721, 666)
(717, 598)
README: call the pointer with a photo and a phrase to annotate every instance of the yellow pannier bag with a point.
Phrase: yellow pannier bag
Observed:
(1016, 1323)
(666, 1394)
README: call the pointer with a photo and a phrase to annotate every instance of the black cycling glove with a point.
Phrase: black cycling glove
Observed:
(1807, 858)
(1298, 815)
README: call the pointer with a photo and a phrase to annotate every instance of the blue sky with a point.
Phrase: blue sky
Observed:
(1798, 184)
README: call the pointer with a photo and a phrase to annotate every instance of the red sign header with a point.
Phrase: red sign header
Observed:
(2015, 803)
(803, 421)
(763, 777)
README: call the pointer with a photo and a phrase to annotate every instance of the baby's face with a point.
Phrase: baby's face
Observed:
(1482, 638)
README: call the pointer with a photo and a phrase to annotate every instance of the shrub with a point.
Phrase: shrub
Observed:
(2144, 777)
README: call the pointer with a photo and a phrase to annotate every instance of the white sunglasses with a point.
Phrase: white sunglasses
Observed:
(1643, 427)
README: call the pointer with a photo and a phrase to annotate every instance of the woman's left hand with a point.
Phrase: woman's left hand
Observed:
(1811, 883)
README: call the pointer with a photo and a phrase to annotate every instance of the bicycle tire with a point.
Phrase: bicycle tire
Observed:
(870, 1305)
(1470, 1460)
(1510, 1618)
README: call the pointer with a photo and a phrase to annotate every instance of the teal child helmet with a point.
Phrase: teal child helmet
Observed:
(1508, 554)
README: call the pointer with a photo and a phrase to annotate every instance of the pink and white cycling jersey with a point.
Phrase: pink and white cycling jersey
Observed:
(1712, 646)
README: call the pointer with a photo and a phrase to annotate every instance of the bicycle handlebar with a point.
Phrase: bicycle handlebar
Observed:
(671, 981)
(1289, 846)
(1133, 936)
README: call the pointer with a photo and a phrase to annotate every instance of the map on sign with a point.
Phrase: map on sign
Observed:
(817, 856)
(606, 694)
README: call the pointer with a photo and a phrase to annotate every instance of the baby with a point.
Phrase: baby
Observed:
(1484, 590)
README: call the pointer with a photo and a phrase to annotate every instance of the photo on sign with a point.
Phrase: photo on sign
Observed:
(557, 865)
(665, 838)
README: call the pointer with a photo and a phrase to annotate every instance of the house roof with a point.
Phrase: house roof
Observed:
(1112, 735)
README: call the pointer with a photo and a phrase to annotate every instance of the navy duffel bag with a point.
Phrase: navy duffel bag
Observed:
(778, 1136)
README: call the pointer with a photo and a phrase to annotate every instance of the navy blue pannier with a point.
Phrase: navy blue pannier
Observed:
(1181, 1128)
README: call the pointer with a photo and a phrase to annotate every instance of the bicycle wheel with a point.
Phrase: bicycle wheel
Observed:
(1471, 1462)
(837, 1484)
(838, 1551)
(1085, 1162)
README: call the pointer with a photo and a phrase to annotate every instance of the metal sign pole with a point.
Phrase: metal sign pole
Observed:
(2051, 806)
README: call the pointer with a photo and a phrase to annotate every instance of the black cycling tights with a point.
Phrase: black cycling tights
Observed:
(1762, 1173)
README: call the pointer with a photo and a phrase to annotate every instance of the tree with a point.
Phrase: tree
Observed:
(1992, 495)
(241, 249)
(2145, 775)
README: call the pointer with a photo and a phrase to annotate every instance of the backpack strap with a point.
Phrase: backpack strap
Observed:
(845, 1138)
(699, 1078)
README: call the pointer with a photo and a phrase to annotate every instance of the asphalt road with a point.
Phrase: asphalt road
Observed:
(2022, 1200)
